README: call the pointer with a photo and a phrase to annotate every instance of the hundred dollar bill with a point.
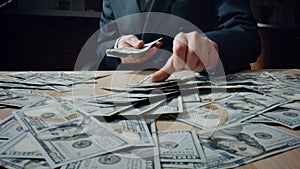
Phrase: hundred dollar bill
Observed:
(47, 116)
(251, 78)
(236, 108)
(17, 85)
(138, 158)
(23, 75)
(170, 107)
(62, 78)
(9, 130)
(20, 91)
(278, 90)
(294, 105)
(135, 131)
(207, 116)
(49, 100)
(8, 79)
(287, 78)
(244, 143)
(70, 142)
(155, 149)
(24, 100)
(6, 95)
(214, 158)
(130, 52)
(287, 117)
(21, 147)
(180, 146)
(20, 163)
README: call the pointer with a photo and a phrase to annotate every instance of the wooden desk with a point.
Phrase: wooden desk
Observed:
(286, 160)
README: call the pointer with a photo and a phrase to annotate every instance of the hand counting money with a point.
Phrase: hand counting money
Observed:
(131, 52)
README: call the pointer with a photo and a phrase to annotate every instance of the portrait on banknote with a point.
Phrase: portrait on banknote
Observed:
(235, 142)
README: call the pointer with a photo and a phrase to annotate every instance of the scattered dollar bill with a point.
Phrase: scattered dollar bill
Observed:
(61, 81)
(278, 90)
(229, 109)
(48, 116)
(135, 131)
(21, 147)
(173, 106)
(244, 143)
(130, 52)
(10, 129)
(71, 142)
(138, 158)
(180, 146)
(20, 163)
(24, 100)
(294, 105)
(6, 95)
(287, 117)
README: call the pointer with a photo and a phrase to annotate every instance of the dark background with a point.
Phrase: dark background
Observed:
(49, 34)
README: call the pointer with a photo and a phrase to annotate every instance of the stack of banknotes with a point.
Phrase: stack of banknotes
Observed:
(231, 122)
(131, 52)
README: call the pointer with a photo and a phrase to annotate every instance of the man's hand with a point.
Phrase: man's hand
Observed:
(191, 52)
(133, 41)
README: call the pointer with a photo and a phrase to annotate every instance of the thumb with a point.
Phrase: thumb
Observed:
(164, 73)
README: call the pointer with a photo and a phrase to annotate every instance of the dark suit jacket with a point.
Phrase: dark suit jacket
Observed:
(229, 23)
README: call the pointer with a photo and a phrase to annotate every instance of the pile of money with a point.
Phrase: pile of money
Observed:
(131, 52)
(60, 82)
(230, 122)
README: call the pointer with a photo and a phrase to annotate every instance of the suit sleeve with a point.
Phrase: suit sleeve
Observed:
(237, 35)
(107, 37)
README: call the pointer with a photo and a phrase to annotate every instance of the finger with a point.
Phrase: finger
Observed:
(158, 44)
(192, 52)
(179, 51)
(208, 53)
(214, 56)
(131, 40)
(165, 72)
(199, 66)
(204, 51)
